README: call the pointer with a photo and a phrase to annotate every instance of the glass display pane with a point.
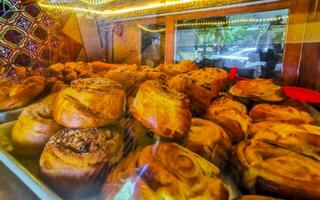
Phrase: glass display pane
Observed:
(253, 42)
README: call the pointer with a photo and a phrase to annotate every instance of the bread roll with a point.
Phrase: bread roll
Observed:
(267, 169)
(164, 171)
(200, 86)
(175, 69)
(89, 103)
(16, 95)
(33, 128)
(163, 111)
(258, 90)
(235, 123)
(74, 161)
(303, 139)
(209, 141)
(231, 103)
(278, 113)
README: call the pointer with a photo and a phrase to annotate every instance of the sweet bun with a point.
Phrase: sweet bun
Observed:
(175, 69)
(209, 141)
(258, 90)
(89, 103)
(16, 95)
(164, 111)
(268, 169)
(231, 103)
(74, 161)
(164, 171)
(280, 113)
(33, 128)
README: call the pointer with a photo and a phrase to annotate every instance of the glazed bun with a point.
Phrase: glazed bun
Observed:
(15, 95)
(258, 90)
(268, 169)
(163, 111)
(33, 128)
(74, 161)
(280, 113)
(209, 141)
(226, 113)
(164, 171)
(89, 103)
(200, 86)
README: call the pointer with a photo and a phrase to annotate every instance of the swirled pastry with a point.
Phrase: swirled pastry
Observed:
(89, 103)
(279, 113)
(15, 95)
(200, 86)
(74, 161)
(175, 69)
(235, 123)
(209, 141)
(268, 169)
(258, 90)
(164, 171)
(303, 139)
(34, 127)
(254, 197)
(163, 111)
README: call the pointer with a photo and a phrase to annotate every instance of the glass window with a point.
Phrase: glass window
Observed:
(253, 42)
(152, 44)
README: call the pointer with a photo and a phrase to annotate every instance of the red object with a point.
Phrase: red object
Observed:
(302, 94)
(233, 73)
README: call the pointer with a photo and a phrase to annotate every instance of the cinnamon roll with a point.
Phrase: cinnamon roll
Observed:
(161, 171)
(18, 94)
(303, 139)
(163, 111)
(209, 141)
(200, 86)
(235, 123)
(258, 90)
(89, 103)
(279, 113)
(267, 169)
(33, 128)
(74, 161)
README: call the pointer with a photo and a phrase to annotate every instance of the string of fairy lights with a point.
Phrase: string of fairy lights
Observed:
(229, 22)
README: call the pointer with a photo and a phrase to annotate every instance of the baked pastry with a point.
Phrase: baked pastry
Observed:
(175, 69)
(254, 197)
(303, 139)
(33, 128)
(200, 86)
(267, 169)
(231, 103)
(16, 95)
(74, 161)
(209, 141)
(164, 111)
(164, 171)
(288, 114)
(89, 103)
(235, 123)
(258, 90)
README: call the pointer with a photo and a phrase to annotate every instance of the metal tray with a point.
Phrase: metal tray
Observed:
(27, 170)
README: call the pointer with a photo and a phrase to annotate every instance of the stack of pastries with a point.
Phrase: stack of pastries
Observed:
(129, 132)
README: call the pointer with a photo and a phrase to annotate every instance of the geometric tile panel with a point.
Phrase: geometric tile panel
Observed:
(30, 37)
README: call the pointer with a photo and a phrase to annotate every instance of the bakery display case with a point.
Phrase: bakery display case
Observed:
(160, 99)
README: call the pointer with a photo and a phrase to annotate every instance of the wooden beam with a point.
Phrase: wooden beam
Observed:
(170, 36)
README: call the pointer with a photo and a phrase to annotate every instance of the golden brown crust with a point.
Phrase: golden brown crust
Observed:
(264, 168)
(231, 103)
(16, 95)
(165, 170)
(33, 128)
(175, 69)
(74, 161)
(209, 141)
(303, 139)
(89, 103)
(235, 123)
(278, 113)
(258, 89)
(200, 86)
(163, 111)
(254, 197)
